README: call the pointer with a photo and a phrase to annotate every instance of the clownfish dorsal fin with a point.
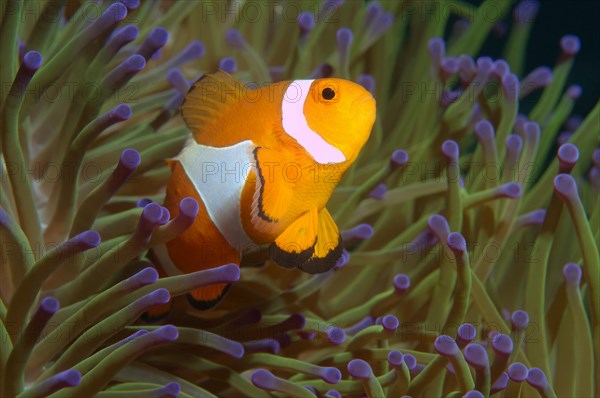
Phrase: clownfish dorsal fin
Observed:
(274, 192)
(328, 246)
(208, 98)
(311, 243)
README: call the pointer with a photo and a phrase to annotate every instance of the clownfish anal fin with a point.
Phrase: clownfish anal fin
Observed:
(208, 98)
(296, 244)
(274, 191)
(328, 247)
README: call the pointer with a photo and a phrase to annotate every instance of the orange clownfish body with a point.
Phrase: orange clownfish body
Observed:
(262, 163)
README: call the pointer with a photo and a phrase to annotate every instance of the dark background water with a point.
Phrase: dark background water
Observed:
(579, 17)
(554, 20)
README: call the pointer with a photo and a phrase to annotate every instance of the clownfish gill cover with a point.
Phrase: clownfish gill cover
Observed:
(299, 198)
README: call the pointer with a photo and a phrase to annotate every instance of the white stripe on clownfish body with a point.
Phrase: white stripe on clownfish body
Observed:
(221, 191)
(295, 124)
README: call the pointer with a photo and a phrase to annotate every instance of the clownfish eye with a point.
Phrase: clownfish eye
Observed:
(328, 93)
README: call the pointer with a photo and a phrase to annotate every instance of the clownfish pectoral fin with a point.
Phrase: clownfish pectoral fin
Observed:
(296, 244)
(274, 191)
(211, 96)
(328, 248)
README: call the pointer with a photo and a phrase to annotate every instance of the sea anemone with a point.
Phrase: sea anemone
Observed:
(471, 265)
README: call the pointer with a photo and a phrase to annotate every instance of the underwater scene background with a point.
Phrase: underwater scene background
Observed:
(470, 220)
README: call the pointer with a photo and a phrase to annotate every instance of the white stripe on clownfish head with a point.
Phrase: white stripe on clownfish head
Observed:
(295, 124)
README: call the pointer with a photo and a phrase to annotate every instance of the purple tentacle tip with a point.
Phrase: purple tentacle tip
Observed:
(568, 154)
(234, 38)
(500, 384)
(230, 272)
(333, 394)
(514, 143)
(86, 240)
(457, 242)
(537, 78)
(156, 39)
(476, 356)
(390, 323)
(410, 361)
(401, 283)
(517, 372)
(501, 68)
(164, 218)
(360, 325)
(306, 21)
(360, 232)
(368, 82)
(520, 319)
(511, 86)
(446, 346)
(399, 158)
(151, 215)
(511, 190)
(450, 65)
(143, 202)
(438, 225)
(572, 274)
(130, 159)
(189, 207)
(360, 369)
(532, 131)
(330, 375)
(344, 37)
(262, 378)
(437, 48)
(535, 217)
(473, 394)
(395, 358)
(526, 11)
(502, 344)
(121, 112)
(450, 150)
(49, 305)
(167, 333)
(565, 186)
(295, 321)
(379, 192)
(32, 60)
(570, 45)
(159, 296)
(537, 378)
(228, 64)
(484, 130)
(485, 65)
(171, 389)
(266, 345)
(336, 335)
(574, 91)
(131, 4)
(178, 81)
(116, 12)
(4, 218)
(145, 277)
(374, 10)
(343, 260)
(69, 378)
(466, 333)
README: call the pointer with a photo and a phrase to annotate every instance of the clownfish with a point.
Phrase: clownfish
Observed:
(262, 164)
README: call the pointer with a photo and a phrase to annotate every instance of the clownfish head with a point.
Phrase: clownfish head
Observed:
(330, 118)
